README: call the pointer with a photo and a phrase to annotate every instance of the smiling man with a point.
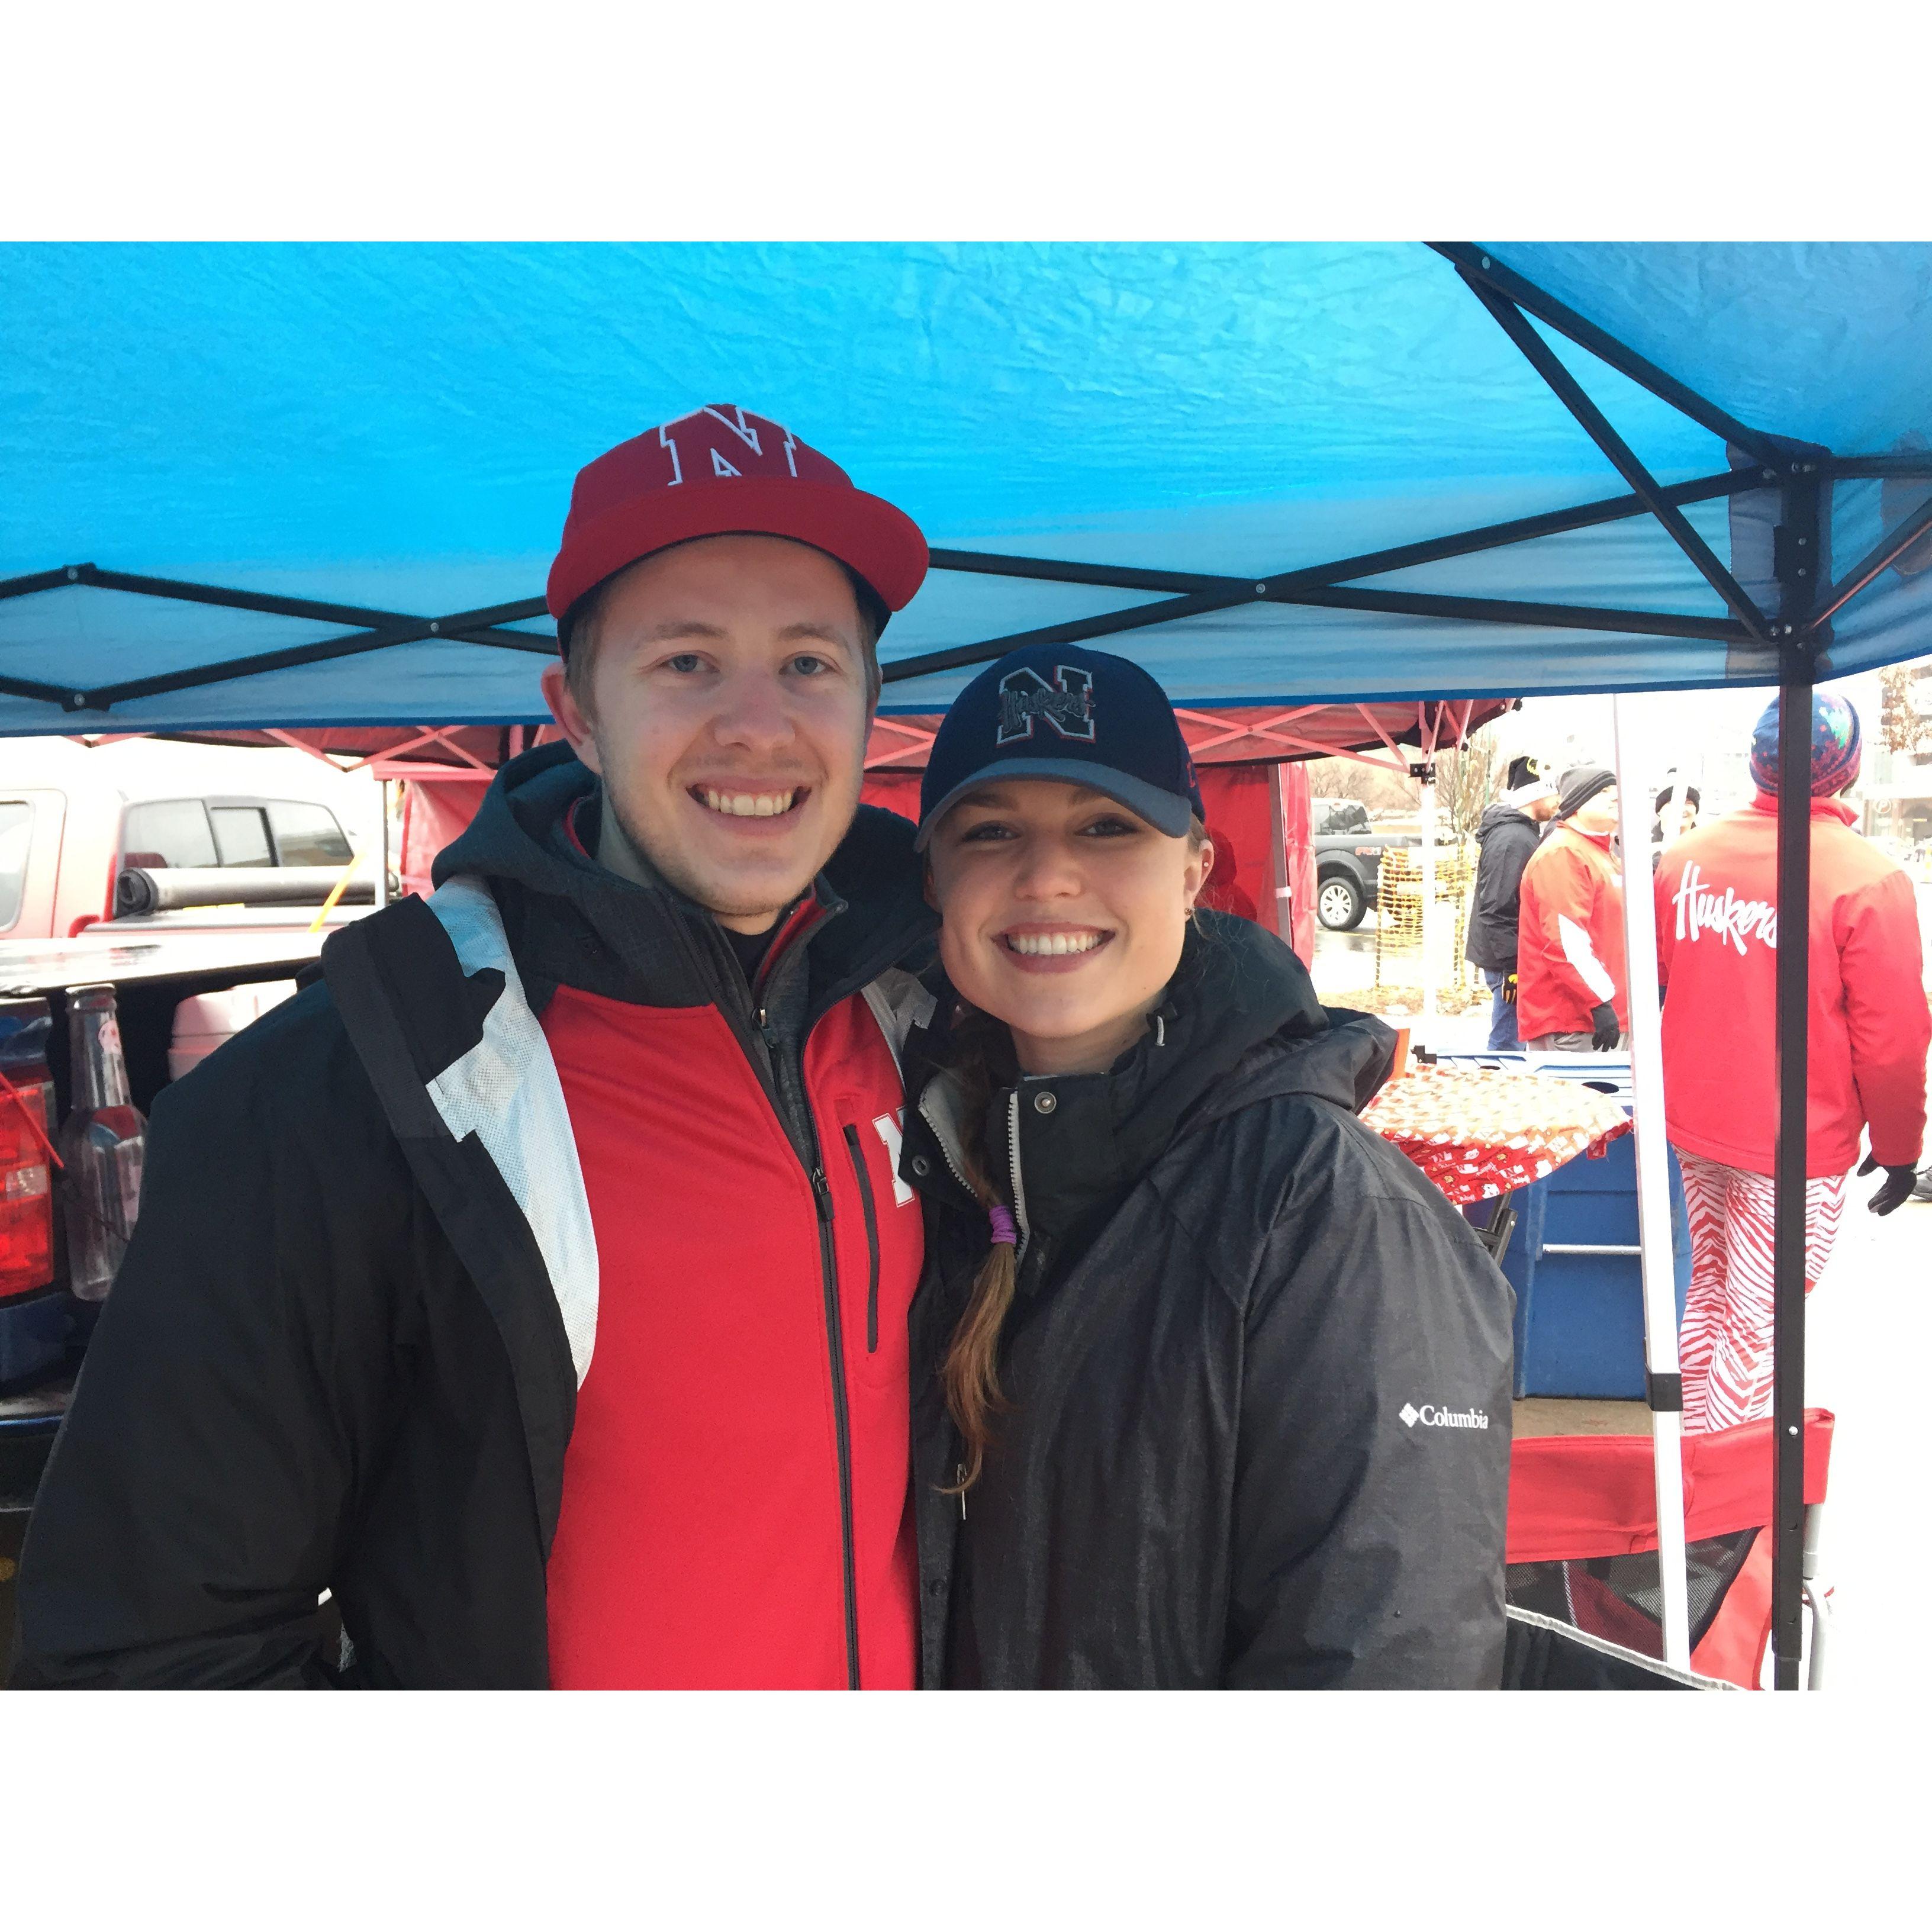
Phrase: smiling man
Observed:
(537, 1286)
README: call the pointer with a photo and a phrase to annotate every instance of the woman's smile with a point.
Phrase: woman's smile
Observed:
(1053, 949)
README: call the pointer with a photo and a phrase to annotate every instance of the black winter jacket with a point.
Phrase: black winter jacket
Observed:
(1505, 840)
(339, 1355)
(1258, 1368)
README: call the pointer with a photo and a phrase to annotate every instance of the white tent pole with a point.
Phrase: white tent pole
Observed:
(383, 845)
(1653, 1200)
(1428, 771)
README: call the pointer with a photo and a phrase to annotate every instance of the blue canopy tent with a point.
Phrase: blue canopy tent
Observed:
(319, 486)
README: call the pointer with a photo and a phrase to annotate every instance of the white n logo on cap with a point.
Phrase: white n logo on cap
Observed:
(1066, 704)
(741, 429)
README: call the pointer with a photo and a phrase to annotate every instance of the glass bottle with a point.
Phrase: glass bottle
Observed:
(102, 1144)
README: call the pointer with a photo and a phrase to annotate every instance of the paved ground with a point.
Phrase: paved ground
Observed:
(1345, 968)
(1870, 1338)
(1538, 1415)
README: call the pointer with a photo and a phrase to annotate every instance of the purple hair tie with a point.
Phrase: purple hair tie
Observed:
(1003, 1229)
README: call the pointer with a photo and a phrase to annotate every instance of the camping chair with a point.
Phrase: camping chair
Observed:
(1585, 1603)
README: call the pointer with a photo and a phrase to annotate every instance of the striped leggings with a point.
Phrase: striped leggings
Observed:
(1725, 1343)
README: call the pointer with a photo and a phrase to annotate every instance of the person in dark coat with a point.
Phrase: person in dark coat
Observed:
(1693, 803)
(1505, 839)
(1210, 1386)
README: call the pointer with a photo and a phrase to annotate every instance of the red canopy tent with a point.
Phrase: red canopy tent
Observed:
(1250, 758)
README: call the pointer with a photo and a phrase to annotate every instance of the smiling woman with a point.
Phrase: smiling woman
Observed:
(1175, 1294)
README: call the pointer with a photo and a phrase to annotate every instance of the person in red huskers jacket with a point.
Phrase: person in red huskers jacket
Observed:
(535, 1286)
(1718, 932)
(1570, 996)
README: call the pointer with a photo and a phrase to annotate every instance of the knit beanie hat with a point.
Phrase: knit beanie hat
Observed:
(1526, 782)
(1836, 746)
(1579, 784)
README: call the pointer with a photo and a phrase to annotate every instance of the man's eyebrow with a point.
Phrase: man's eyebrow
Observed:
(679, 627)
(820, 630)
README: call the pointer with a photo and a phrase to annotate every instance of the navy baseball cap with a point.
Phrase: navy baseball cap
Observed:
(1056, 711)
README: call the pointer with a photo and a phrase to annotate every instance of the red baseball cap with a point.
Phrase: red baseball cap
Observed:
(718, 472)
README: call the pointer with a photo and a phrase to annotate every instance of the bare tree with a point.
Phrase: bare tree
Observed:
(1468, 782)
(1905, 720)
(1380, 791)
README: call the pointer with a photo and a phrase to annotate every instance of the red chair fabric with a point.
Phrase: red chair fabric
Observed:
(1576, 1496)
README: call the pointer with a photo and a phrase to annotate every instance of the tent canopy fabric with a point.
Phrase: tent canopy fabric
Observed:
(381, 435)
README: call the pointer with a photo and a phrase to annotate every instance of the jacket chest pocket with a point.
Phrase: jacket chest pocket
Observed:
(880, 1244)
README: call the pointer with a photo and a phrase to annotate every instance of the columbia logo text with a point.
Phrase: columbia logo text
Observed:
(1432, 1417)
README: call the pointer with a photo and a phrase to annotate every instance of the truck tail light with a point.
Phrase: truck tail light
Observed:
(26, 1185)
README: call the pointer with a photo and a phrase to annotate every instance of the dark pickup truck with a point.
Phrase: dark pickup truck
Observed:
(1349, 861)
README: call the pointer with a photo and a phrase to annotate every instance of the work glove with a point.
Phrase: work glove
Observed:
(1896, 1187)
(1509, 989)
(1604, 1031)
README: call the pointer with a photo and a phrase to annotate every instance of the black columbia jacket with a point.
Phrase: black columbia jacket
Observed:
(1506, 840)
(339, 1355)
(1258, 1368)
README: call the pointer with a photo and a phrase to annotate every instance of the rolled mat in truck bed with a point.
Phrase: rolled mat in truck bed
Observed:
(141, 889)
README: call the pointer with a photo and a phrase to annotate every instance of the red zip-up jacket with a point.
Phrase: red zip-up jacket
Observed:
(1717, 943)
(1569, 936)
(734, 1510)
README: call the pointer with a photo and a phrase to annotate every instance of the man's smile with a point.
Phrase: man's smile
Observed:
(730, 803)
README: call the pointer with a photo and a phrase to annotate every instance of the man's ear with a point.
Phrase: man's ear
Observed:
(569, 715)
(926, 885)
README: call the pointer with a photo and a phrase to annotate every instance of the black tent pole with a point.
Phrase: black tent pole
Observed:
(1477, 265)
(1796, 674)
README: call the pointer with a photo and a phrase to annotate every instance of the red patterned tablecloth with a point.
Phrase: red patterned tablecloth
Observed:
(1480, 1131)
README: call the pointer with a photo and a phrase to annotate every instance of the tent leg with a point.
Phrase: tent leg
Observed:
(1818, 1594)
(1794, 993)
(1662, 1378)
(1279, 876)
(382, 847)
(1426, 773)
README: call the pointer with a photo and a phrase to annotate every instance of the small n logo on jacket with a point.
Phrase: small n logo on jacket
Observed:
(1066, 703)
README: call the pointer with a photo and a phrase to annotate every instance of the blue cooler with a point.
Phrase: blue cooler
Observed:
(1580, 1309)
